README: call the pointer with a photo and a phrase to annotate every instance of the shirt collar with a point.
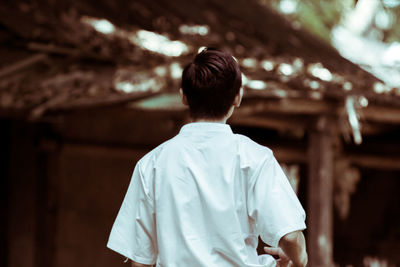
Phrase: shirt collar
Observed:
(206, 127)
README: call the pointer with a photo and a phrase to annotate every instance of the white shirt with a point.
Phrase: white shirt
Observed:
(202, 198)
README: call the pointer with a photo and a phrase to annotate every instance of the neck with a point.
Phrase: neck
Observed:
(217, 120)
(223, 120)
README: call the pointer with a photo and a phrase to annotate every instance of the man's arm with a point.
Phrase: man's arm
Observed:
(294, 246)
(135, 264)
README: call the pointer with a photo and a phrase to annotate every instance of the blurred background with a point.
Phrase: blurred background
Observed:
(88, 87)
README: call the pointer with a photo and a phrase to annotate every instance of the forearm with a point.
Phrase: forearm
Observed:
(294, 246)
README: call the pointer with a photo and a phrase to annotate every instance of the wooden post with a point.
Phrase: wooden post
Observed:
(47, 203)
(320, 193)
(5, 144)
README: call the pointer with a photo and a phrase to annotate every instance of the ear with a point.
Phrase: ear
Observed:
(238, 98)
(183, 97)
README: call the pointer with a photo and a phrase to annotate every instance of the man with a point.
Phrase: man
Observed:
(202, 198)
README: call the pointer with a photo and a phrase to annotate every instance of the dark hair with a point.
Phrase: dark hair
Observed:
(210, 83)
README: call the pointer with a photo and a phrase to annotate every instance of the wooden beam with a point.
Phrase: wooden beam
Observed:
(250, 106)
(287, 106)
(74, 52)
(110, 100)
(289, 155)
(58, 103)
(301, 106)
(284, 153)
(104, 150)
(320, 194)
(269, 122)
(374, 161)
(20, 65)
(297, 122)
(390, 115)
(366, 160)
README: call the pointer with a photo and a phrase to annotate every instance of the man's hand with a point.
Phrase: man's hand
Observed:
(283, 260)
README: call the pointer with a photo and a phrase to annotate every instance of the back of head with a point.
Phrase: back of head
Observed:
(210, 84)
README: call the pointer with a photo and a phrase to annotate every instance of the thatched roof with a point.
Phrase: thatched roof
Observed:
(53, 57)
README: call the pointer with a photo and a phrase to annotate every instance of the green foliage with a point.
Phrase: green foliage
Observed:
(393, 35)
(316, 19)
(320, 16)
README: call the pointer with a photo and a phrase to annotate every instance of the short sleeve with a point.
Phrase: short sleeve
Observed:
(273, 204)
(133, 234)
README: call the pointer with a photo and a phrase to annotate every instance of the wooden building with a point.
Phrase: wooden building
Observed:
(79, 106)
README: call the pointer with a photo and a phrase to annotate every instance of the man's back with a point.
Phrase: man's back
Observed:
(202, 199)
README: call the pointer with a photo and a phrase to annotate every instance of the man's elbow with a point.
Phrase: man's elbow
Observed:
(135, 264)
(294, 245)
(303, 260)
